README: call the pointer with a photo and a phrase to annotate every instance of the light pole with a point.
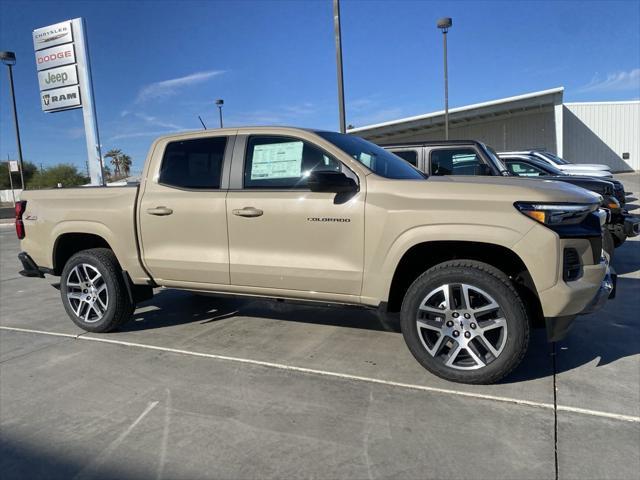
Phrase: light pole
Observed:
(219, 103)
(338, 39)
(9, 59)
(444, 24)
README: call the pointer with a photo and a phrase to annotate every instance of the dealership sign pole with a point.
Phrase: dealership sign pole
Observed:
(64, 76)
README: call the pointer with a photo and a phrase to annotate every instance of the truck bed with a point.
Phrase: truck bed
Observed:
(106, 212)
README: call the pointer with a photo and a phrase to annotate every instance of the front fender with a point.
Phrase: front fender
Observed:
(379, 275)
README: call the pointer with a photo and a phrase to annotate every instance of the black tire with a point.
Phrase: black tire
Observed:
(514, 338)
(608, 244)
(119, 308)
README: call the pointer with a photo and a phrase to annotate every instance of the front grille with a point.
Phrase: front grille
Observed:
(572, 266)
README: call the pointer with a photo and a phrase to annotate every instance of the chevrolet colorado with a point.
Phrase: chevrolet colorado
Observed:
(470, 263)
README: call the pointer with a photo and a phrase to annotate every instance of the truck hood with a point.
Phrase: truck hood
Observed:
(590, 173)
(584, 166)
(516, 189)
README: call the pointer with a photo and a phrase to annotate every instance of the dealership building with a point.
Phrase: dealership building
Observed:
(585, 132)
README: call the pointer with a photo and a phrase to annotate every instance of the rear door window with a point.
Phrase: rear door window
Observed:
(454, 161)
(193, 164)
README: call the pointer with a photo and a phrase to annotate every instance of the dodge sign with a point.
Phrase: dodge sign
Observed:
(56, 56)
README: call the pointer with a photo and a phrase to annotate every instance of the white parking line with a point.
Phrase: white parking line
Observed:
(480, 396)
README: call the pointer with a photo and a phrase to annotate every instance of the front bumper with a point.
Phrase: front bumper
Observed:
(631, 225)
(558, 327)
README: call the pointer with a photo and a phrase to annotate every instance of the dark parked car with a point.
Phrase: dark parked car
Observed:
(622, 224)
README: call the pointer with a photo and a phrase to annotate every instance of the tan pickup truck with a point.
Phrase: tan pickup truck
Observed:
(470, 263)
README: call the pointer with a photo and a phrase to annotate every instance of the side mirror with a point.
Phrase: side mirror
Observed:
(327, 181)
(482, 169)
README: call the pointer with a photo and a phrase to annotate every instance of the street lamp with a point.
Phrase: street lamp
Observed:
(9, 59)
(444, 24)
(219, 103)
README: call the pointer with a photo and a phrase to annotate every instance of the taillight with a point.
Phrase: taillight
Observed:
(20, 209)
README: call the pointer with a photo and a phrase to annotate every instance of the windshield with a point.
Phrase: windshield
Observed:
(537, 163)
(378, 160)
(554, 158)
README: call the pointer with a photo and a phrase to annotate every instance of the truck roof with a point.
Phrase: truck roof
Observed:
(430, 143)
(240, 130)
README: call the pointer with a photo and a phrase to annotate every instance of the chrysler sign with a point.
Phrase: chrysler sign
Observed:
(52, 35)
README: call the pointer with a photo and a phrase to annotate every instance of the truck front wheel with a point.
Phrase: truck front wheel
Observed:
(93, 291)
(464, 321)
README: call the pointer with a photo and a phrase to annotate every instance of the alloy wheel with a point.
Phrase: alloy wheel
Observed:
(87, 293)
(462, 326)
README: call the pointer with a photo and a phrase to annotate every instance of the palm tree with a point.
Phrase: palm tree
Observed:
(115, 154)
(125, 164)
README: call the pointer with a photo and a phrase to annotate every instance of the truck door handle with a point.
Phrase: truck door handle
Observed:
(160, 211)
(248, 212)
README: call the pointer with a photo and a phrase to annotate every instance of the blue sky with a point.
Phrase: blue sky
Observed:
(158, 65)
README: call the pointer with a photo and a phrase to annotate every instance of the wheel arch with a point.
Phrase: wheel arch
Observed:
(69, 243)
(422, 256)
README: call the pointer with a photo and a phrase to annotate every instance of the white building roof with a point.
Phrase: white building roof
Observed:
(492, 108)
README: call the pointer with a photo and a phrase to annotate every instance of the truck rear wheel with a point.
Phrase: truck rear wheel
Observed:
(464, 321)
(93, 291)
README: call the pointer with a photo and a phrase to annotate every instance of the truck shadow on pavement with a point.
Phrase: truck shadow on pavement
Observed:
(606, 336)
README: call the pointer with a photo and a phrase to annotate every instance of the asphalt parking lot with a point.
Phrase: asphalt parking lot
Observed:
(200, 387)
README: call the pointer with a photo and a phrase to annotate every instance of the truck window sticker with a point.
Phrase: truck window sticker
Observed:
(277, 160)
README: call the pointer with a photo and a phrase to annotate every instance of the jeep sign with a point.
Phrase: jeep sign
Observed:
(58, 77)
(56, 56)
(60, 98)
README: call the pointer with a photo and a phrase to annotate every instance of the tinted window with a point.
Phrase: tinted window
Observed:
(283, 162)
(454, 161)
(375, 158)
(523, 169)
(410, 156)
(193, 163)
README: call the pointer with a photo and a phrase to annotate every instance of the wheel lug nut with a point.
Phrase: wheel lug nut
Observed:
(456, 333)
(466, 315)
(449, 324)
(473, 325)
(467, 334)
(456, 314)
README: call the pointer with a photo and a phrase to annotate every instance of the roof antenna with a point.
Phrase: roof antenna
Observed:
(203, 125)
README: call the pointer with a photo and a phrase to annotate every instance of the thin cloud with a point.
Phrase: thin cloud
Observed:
(614, 82)
(155, 133)
(167, 88)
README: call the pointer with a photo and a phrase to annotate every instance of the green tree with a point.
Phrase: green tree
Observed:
(29, 170)
(64, 173)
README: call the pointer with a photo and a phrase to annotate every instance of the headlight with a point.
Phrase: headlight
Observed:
(556, 213)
